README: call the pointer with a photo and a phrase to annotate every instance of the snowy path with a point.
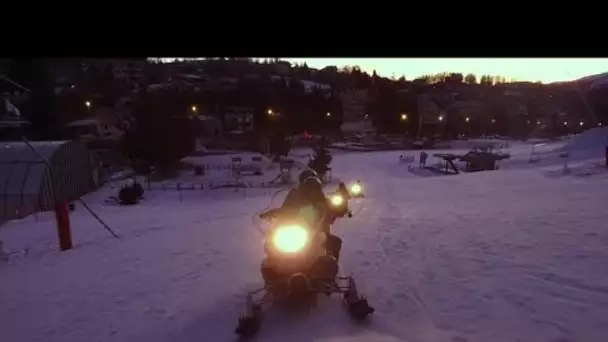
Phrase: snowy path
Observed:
(495, 256)
(486, 268)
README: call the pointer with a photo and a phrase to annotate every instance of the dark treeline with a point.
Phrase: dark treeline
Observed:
(492, 104)
(304, 99)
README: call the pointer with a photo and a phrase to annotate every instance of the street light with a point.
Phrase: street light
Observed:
(403, 117)
(440, 118)
(467, 119)
(493, 120)
(581, 124)
(88, 104)
(270, 112)
(565, 123)
(328, 114)
(194, 109)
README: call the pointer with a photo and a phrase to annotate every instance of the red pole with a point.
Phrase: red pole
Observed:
(63, 225)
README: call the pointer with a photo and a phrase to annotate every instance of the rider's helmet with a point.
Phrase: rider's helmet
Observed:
(342, 190)
(306, 174)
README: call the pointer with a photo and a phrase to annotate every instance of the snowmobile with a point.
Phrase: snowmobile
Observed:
(296, 253)
(356, 190)
(339, 205)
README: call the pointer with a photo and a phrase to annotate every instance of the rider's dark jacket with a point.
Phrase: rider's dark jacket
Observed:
(296, 204)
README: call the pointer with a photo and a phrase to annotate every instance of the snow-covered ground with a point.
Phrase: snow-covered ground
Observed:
(518, 254)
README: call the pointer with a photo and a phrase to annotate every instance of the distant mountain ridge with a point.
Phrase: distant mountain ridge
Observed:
(592, 82)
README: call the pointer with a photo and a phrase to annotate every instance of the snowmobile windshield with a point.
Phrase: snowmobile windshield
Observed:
(310, 214)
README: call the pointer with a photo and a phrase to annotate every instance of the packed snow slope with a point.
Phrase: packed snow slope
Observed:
(592, 140)
(510, 255)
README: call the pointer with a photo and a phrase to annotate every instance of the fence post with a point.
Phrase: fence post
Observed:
(3, 253)
(64, 232)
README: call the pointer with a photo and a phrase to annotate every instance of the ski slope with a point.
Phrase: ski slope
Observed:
(512, 255)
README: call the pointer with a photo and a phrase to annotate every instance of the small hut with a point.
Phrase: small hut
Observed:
(483, 158)
(29, 185)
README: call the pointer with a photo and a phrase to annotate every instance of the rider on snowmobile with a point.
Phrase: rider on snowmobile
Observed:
(309, 195)
(342, 190)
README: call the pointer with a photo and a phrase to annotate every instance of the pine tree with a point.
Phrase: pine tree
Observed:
(321, 160)
(470, 79)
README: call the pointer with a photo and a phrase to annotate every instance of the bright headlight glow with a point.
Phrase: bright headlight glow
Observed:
(356, 189)
(290, 239)
(336, 200)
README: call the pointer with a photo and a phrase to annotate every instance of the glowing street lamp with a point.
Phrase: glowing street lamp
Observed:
(493, 120)
(467, 119)
(565, 123)
(440, 118)
(328, 114)
(403, 117)
(88, 104)
(194, 109)
(581, 124)
(270, 112)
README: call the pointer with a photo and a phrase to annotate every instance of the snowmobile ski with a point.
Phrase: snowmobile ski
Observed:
(357, 306)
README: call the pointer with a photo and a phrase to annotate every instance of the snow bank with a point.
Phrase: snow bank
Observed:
(595, 139)
(587, 168)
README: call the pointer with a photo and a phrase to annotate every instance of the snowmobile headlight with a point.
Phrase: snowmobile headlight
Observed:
(290, 239)
(356, 189)
(336, 200)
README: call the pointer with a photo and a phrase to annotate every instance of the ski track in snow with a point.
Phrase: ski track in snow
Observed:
(511, 255)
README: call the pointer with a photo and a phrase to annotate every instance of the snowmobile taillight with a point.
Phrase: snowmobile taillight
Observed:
(290, 238)
(336, 200)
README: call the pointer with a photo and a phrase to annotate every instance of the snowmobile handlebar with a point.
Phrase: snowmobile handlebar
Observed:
(270, 214)
(338, 205)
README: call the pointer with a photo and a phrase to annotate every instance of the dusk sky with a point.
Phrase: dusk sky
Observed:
(546, 70)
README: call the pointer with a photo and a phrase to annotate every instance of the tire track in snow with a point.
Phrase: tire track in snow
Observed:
(428, 328)
(411, 285)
